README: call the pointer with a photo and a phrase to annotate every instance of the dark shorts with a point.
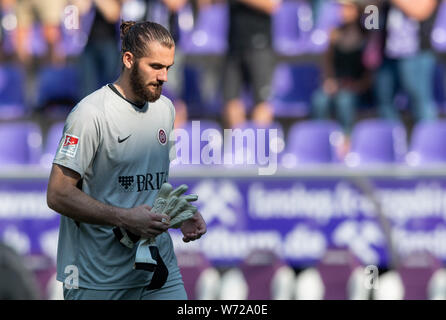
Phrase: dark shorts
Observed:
(254, 68)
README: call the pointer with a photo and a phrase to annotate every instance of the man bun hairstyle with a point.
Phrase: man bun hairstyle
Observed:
(136, 37)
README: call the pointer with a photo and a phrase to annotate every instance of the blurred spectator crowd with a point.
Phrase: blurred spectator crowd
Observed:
(326, 64)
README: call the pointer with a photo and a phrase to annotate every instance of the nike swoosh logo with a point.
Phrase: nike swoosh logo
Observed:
(122, 140)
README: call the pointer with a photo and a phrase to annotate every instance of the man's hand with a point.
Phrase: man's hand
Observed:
(193, 228)
(141, 221)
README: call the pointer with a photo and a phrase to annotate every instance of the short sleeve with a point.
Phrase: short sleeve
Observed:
(80, 139)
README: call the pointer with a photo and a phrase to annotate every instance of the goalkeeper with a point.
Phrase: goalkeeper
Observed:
(111, 168)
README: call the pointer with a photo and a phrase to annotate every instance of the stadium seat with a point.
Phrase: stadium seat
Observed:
(376, 141)
(329, 18)
(420, 276)
(339, 275)
(247, 152)
(189, 151)
(428, 144)
(9, 19)
(21, 143)
(261, 276)
(12, 93)
(292, 88)
(440, 86)
(416, 271)
(295, 32)
(438, 34)
(58, 89)
(207, 32)
(285, 27)
(51, 143)
(312, 142)
(201, 279)
(330, 15)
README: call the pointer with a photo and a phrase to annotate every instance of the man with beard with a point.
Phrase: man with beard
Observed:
(112, 160)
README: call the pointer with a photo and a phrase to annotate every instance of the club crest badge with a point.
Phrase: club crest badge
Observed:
(162, 137)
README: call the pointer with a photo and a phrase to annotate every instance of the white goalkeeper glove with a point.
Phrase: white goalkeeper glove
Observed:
(169, 202)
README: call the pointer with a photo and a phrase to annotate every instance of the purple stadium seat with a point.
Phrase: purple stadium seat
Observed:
(292, 89)
(428, 143)
(329, 18)
(261, 276)
(416, 270)
(295, 32)
(21, 143)
(377, 141)
(311, 142)
(285, 27)
(336, 268)
(438, 34)
(58, 89)
(258, 137)
(208, 33)
(196, 137)
(12, 99)
(8, 43)
(201, 279)
(259, 269)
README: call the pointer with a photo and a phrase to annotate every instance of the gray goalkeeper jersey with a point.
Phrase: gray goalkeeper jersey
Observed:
(122, 153)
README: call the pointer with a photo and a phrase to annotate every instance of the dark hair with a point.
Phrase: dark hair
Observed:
(136, 37)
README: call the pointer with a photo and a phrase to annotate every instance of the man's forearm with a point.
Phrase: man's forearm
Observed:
(79, 206)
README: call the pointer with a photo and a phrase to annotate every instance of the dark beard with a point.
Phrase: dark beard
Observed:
(139, 88)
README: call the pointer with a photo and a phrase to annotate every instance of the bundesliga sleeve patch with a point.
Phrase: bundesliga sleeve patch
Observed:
(69, 146)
